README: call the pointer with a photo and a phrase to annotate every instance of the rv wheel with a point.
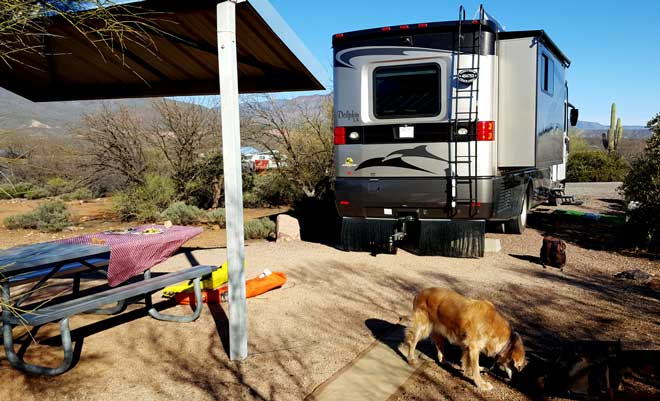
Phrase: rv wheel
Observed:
(517, 225)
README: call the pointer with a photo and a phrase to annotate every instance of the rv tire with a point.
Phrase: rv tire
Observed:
(517, 224)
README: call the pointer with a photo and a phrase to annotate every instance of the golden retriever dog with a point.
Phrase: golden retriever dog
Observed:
(472, 324)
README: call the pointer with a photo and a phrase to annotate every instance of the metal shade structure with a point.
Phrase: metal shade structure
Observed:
(202, 47)
(182, 61)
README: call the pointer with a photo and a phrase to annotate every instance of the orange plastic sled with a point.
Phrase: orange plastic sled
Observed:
(253, 287)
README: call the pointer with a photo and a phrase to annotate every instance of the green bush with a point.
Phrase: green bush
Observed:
(58, 186)
(78, 194)
(49, 217)
(272, 189)
(250, 199)
(201, 190)
(18, 190)
(217, 216)
(182, 214)
(642, 185)
(25, 220)
(37, 193)
(259, 228)
(146, 202)
(595, 166)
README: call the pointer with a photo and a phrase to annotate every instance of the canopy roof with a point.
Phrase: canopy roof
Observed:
(183, 62)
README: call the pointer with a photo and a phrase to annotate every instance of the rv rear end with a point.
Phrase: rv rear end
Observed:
(417, 135)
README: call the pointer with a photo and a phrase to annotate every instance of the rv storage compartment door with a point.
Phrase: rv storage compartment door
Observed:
(516, 123)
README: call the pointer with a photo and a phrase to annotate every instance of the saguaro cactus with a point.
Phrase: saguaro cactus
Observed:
(611, 133)
(619, 134)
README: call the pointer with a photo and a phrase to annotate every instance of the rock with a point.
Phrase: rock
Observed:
(288, 228)
(493, 245)
(635, 274)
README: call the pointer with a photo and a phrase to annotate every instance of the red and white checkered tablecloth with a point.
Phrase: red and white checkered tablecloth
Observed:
(132, 254)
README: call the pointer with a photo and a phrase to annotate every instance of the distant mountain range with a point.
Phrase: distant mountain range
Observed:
(593, 129)
(54, 118)
(57, 118)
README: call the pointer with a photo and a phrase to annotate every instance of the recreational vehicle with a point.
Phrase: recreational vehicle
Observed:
(443, 126)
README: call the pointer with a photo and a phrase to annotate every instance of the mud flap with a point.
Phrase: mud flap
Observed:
(453, 238)
(359, 234)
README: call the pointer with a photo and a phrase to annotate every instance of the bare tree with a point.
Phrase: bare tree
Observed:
(298, 136)
(116, 139)
(182, 133)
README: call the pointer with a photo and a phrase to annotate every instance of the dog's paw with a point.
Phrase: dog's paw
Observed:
(484, 385)
(415, 362)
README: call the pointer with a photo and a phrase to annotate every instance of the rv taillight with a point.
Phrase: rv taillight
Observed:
(485, 131)
(340, 136)
(386, 29)
(422, 25)
(404, 27)
(339, 35)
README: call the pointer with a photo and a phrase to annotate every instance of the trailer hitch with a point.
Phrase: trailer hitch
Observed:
(399, 234)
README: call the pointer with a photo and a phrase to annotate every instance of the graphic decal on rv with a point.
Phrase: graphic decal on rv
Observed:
(344, 57)
(396, 159)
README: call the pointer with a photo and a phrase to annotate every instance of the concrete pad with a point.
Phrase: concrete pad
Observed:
(493, 245)
(376, 374)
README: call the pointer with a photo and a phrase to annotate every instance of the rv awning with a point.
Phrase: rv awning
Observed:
(182, 62)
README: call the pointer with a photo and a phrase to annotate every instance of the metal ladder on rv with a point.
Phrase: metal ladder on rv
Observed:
(464, 117)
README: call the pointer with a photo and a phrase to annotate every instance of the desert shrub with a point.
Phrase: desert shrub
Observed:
(182, 213)
(24, 220)
(58, 186)
(642, 185)
(271, 188)
(145, 203)
(18, 190)
(79, 194)
(259, 228)
(205, 189)
(37, 193)
(595, 166)
(250, 199)
(49, 217)
(217, 216)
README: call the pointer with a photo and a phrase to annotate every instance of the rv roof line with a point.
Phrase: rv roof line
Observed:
(542, 36)
(441, 26)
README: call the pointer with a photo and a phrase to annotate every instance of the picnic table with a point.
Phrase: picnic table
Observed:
(132, 253)
(126, 254)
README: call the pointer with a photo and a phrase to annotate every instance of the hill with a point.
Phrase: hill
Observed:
(55, 118)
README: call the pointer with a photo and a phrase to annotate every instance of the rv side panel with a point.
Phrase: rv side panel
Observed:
(516, 122)
(550, 109)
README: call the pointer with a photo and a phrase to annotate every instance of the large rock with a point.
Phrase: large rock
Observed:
(288, 228)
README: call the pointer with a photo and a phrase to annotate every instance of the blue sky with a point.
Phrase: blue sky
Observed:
(614, 46)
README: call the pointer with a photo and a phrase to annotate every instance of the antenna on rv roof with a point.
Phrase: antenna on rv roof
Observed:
(487, 17)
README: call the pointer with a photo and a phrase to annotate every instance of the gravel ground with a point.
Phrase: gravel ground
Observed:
(334, 305)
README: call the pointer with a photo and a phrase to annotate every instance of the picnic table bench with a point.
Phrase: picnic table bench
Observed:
(41, 262)
(63, 311)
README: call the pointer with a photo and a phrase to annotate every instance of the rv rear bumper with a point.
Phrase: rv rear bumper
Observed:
(493, 198)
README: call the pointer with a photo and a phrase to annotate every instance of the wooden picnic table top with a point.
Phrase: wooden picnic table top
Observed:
(19, 260)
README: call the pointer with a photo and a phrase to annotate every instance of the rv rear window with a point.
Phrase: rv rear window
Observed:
(407, 91)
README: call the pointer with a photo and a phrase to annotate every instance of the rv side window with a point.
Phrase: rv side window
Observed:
(407, 91)
(548, 74)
